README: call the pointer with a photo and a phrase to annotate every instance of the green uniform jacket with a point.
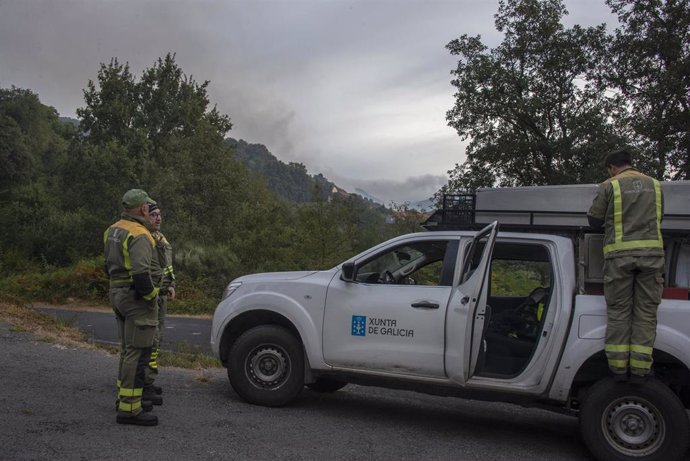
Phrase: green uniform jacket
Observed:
(631, 205)
(128, 252)
(162, 270)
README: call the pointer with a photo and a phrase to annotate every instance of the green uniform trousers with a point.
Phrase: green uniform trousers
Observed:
(151, 371)
(632, 288)
(136, 324)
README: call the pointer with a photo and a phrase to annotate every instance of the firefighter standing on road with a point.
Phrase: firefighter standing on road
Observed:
(630, 207)
(129, 246)
(162, 270)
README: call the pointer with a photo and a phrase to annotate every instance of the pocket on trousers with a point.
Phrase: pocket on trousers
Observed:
(144, 332)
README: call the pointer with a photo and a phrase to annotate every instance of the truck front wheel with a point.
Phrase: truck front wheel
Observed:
(623, 421)
(266, 366)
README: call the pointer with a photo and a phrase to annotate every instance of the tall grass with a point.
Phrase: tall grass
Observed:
(86, 281)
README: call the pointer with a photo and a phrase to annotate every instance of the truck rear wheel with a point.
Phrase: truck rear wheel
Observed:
(623, 421)
(266, 366)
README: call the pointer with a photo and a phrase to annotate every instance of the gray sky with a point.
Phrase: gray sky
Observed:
(356, 90)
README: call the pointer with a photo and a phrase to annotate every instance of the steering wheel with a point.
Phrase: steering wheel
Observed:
(387, 277)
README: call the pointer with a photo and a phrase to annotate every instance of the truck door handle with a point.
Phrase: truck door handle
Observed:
(425, 305)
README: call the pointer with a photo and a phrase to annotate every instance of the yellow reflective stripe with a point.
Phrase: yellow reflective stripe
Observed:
(641, 349)
(154, 360)
(644, 364)
(129, 407)
(118, 383)
(122, 282)
(125, 253)
(540, 311)
(127, 392)
(617, 212)
(632, 244)
(618, 363)
(617, 348)
(151, 295)
(659, 208)
(618, 243)
(135, 229)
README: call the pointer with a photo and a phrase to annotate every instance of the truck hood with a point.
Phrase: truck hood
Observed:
(270, 276)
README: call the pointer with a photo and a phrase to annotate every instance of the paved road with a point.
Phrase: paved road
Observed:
(58, 403)
(180, 332)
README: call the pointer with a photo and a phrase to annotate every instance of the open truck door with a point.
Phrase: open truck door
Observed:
(467, 310)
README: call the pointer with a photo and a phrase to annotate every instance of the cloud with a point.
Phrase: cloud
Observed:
(412, 189)
(353, 89)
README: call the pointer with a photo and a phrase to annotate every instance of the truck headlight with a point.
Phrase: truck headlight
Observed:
(230, 289)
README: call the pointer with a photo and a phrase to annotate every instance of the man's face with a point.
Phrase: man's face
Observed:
(155, 219)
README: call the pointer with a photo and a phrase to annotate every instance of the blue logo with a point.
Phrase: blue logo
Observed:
(359, 325)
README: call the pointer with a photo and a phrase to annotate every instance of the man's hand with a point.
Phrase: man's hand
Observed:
(171, 293)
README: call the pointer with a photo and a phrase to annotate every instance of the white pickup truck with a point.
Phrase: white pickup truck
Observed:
(514, 317)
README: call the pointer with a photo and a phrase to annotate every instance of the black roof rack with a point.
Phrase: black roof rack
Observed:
(459, 212)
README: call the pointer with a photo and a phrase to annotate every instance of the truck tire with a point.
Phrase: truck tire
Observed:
(623, 421)
(326, 385)
(266, 366)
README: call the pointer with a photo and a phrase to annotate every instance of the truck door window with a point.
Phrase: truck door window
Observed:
(417, 263)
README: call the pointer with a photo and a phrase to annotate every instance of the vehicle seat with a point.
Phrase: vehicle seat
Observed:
(513, 335)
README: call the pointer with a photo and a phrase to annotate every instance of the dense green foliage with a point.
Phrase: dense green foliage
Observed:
(61, 185)
(648, 61)
(290, 181)
(548, 103)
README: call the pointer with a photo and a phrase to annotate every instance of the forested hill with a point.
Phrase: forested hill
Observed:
(61, 183)
(289, 180)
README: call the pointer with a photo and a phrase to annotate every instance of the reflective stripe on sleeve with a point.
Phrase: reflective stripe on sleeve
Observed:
(151, 295)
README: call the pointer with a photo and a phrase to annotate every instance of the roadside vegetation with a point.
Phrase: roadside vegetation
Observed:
(23, 319)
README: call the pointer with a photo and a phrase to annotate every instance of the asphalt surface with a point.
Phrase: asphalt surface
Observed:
(58, 404)
(181, 332)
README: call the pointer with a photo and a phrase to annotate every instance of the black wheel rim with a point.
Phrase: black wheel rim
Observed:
(267, 366)
(633, 426)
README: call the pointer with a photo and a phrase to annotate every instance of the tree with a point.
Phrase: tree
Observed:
(158, 133)
(531, 117)
(33, 144)
(648, 61)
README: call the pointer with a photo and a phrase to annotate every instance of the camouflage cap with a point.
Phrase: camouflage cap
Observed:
(134, 198)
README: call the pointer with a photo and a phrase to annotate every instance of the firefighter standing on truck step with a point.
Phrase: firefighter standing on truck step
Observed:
(630, 206)
(129, 247)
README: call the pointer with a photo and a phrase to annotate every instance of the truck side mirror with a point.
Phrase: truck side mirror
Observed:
(348, 272)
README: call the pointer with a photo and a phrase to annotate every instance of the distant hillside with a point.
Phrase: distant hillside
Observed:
(70, 121)
(289, 180)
